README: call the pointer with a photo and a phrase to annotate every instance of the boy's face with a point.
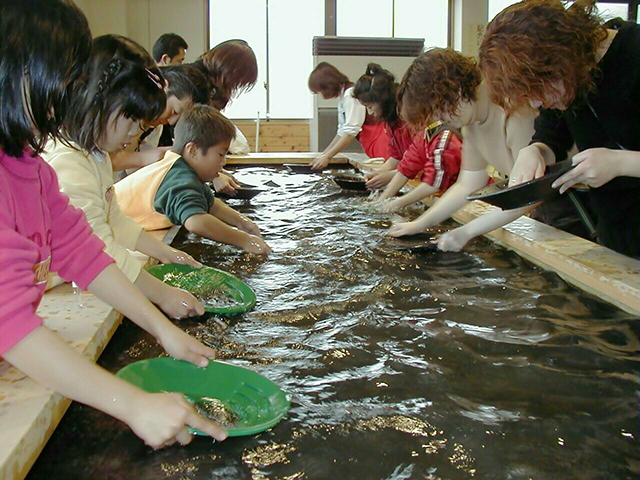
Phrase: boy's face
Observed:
(208, 164)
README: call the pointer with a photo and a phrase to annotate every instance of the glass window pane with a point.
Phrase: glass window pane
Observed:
(612, 10)
(251, 27)
(364, 18)
(292, 26)
(496, 6)
(420, 19)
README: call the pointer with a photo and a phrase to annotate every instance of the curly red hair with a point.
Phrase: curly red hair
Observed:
(532, 47)
(435, 84)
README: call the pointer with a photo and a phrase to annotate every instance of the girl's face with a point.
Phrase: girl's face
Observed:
(373, 109)
(174, 110)
(120, 131)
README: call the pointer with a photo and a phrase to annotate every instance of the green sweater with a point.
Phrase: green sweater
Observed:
(182, 194)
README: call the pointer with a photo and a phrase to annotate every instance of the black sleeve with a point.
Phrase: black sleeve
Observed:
(552, 130)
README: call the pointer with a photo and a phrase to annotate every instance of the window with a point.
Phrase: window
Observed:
(428, 19)
(496, 6)
(292, 26)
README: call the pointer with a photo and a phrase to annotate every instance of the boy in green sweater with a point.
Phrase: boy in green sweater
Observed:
(173, 191)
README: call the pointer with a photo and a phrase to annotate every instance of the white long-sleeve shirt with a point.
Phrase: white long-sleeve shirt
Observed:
(351, 114)
(87, 179)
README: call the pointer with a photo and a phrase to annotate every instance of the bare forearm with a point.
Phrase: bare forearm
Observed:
(46, 358)
(545, 151)
(397, 182)
(127, 299)
(150, 246)
(332, 144)
(213, 228)
(124, 160)
(342, 143)
(415, 195)
(224, 212)
(629, 164)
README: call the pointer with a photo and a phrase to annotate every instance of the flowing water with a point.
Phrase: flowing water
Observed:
(398, 365)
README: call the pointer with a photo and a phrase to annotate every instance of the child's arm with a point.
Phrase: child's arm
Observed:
(382, 176)
(453, 200)
(158, 419)
(398, 181)
(228, 215)
(456, 239)
(210, 226)
(420, 192)
(124, 160)
(152, 247)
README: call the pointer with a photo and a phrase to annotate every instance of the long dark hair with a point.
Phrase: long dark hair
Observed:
(120, 76)
(379, 86)
(44, 45)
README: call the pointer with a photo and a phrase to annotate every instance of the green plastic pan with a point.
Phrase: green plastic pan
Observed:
(219, 291)
(241, 400)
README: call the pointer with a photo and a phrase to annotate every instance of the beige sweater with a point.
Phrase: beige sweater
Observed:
(88, 181)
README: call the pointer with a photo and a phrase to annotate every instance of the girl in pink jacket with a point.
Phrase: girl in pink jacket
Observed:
(44, 45)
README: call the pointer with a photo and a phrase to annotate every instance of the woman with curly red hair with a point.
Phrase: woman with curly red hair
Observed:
(586, 78)
(353, 123)
(441, 84)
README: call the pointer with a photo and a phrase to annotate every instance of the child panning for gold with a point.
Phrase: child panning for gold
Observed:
(173, 191)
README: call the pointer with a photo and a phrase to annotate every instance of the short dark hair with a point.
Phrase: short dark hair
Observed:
(203, 125)
(50, 41)
(378, 86)
(187, 81)
(120, 76)
(169, 43)
(327, 79)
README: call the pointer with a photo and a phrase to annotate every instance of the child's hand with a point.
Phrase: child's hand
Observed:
(402, 229)
(453, 241)
(173, 255)
(389, 206)
(225, 183)
(178, 303)
(248, 226)
(161, 419)
(179, 344)
(256, 245)
(378, 180)
(320, 163)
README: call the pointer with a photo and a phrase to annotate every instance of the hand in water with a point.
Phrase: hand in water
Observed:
(179, 344)
(402, 229)
(178, 303)
(256, 245)
(377, 180)
(248, 226)
(161, 419)
(453, 241)
(389, 206)
(174, 255)
(320, 162)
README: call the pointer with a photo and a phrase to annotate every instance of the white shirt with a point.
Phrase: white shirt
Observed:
(351, 114)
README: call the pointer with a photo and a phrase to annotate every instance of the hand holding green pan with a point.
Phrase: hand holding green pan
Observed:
(241, 400)
(219, 291)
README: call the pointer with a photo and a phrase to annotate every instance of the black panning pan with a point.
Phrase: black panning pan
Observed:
(420, 243)
(538, 190)
(351, 182)
(242, 193)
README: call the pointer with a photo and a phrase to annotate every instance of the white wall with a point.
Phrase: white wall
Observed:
(145, 20)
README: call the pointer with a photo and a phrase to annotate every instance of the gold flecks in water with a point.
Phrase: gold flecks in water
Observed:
(461, 459)
(180, 467)
(217, 411)
(339, 353)
(265, 455)
(402, 424)
(434, 446)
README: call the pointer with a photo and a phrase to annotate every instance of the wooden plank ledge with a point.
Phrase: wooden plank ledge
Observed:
(29, 412)
(266, 158)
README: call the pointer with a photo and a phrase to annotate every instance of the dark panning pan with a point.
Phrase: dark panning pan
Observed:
(351, 182)
(538, 190)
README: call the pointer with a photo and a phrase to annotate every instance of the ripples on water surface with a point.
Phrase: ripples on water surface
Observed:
(399, 366)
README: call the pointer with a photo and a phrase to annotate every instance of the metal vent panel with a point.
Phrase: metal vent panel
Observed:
(362, 46)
